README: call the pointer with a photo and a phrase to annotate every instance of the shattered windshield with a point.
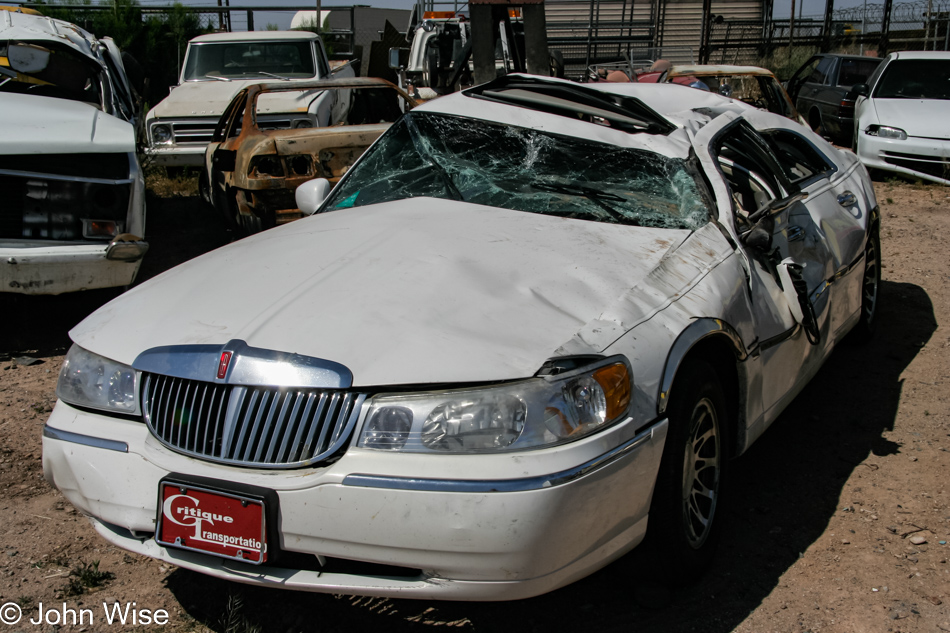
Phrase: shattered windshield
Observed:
(65, 74)
(516, 168)
(240, 60)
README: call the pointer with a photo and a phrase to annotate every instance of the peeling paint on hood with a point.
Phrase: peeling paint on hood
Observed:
(414, 291)
(210, 98)
(44, 125)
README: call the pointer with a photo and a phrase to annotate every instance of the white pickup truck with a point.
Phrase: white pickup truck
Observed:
(218, 66)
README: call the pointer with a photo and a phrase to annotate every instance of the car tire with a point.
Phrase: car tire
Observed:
(870, 288)
(686, 510)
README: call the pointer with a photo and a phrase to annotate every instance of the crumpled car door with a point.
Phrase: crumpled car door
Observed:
(833, 218)
(752, 192)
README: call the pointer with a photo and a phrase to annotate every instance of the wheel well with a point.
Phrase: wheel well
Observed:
(719, 352)
(814, 117)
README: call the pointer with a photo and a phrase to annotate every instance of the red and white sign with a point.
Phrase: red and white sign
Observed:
(212, 522)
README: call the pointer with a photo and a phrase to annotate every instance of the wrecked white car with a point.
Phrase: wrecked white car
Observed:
(74, 206)
(526, 332)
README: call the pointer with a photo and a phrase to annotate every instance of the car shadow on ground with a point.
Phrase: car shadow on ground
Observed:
(178, 229)
(784, 492)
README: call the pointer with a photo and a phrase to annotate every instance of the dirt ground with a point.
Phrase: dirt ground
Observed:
(839, 520)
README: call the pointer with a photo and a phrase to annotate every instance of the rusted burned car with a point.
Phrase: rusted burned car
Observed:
(252, 170)
(73, 205)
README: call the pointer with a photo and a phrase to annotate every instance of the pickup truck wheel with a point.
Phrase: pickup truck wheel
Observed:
(686, 512)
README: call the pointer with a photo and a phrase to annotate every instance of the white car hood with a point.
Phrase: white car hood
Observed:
(415, 291)
(210, 98)
(918, 117)
(44, 125)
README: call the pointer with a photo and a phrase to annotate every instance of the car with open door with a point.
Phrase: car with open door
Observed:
(822, 91)
(527, 331)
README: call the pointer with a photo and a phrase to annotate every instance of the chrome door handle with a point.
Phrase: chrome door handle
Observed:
(795, 233)
(847, 199)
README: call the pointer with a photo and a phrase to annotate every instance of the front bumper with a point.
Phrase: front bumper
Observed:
(50, 268)
(177, 155)
(925, 158)
(517, 534)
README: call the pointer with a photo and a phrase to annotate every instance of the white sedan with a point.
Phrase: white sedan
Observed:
(524, 334)
(902, 116)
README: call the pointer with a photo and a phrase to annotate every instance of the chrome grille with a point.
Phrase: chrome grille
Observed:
(194, 132)
(263, 427)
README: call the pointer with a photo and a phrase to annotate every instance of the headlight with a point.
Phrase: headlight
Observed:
(884, 131)
(526, 414)
(161, 133)
(302, 123)
(89, 380)
(269, 166)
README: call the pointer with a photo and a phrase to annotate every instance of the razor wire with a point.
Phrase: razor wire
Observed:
(902, 13)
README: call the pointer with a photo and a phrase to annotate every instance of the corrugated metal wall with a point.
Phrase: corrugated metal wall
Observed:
(737, 39)
(597, 31)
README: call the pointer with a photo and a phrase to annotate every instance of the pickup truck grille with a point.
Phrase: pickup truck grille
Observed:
(260, 427)
(198, 133)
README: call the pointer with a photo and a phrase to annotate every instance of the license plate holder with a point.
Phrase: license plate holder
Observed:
(212, 521)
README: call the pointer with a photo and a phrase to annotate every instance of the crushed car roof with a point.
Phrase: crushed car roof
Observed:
(27, 27)
(670, 107)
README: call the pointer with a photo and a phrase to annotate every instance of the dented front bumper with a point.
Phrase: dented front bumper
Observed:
(461, 535)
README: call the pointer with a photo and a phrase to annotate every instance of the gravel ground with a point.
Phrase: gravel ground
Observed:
(838, 520)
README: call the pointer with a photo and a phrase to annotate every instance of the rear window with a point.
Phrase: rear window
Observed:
(856, 71)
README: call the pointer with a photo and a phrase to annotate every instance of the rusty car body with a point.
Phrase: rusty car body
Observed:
(252, 172)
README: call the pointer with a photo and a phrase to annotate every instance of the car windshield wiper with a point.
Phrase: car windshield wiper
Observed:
(595, 196)
(208, 78)
(267, 74)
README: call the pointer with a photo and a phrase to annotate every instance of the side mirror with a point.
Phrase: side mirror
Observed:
(861, 90)
(311, 194)
(394, 58)
(28, 58)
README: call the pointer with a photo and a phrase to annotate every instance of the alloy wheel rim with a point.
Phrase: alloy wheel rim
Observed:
(702, 467)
